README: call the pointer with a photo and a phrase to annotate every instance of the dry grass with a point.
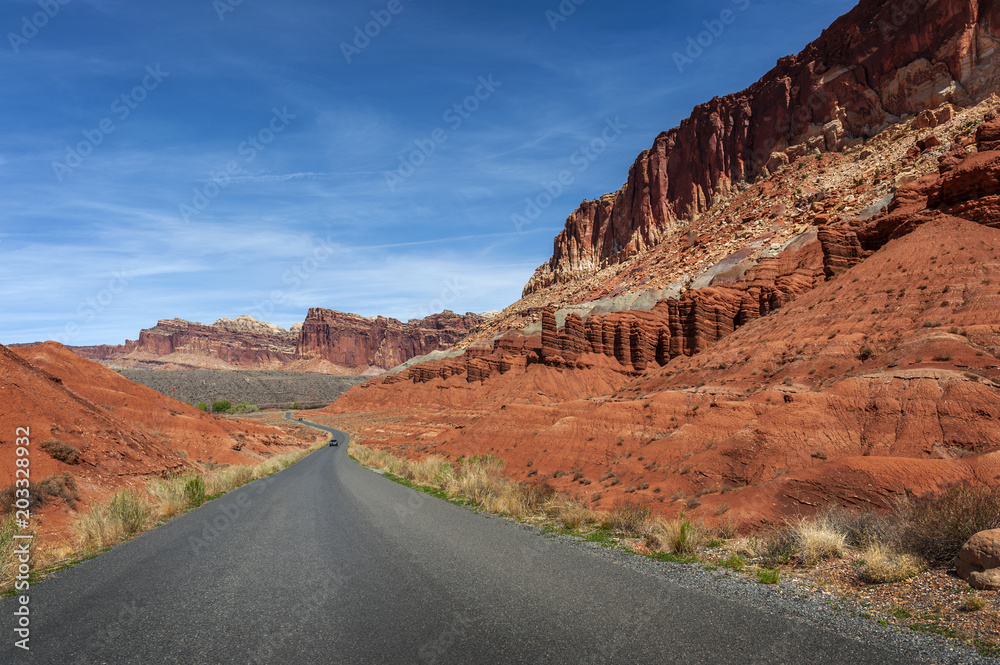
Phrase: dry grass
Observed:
(676, 536)
(569, 513)
(125, 515)
(628, 518)
(8, 529)
(973, 603)
(228, 478)
(884, 564)
(818, 539)
(169, 495)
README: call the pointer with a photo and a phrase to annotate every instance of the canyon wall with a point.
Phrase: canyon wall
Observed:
(881, 61)
(356, 341)
(328, 341)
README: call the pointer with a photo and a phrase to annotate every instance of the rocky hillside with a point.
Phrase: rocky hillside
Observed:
(745, 351)
(875, 65)
(329, 342)
(861, 365)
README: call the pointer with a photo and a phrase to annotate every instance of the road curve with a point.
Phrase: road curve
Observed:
(327, 562)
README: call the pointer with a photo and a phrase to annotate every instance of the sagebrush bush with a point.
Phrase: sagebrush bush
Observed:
(935, 528)
(62, 485)
(58, 450)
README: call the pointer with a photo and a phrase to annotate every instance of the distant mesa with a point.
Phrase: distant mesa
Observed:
(328, 341)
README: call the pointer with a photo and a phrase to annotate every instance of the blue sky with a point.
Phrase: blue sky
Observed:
(201, 159)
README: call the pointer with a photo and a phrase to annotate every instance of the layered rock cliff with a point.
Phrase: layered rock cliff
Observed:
(639, 340)
(966, 186)
(356, 341)
(881, 61)
(183, 342)
(328, 341)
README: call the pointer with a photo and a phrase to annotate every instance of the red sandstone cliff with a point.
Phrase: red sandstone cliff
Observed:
(185, 344)
(328, 341)
(356, 341)
(820, 376)
(874, 65)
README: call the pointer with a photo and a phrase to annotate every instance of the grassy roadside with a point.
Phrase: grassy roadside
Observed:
(132, 511)
(883, 549)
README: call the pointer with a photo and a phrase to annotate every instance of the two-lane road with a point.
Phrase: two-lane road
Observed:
(327, 562)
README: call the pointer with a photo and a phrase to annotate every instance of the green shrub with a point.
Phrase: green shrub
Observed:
(768, 575)
(194, 491)
(244, 407)
(222, 406)
(58, 450)
(202, 406)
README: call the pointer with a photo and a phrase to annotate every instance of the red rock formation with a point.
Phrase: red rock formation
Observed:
(967, 186)
(873, 65)
(845, 395)
(638, 340)
(237, 348)
(355, 341)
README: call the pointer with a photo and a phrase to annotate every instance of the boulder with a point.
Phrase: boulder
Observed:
(979, 561)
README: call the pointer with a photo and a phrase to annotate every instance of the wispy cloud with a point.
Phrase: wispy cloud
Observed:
(443, 238)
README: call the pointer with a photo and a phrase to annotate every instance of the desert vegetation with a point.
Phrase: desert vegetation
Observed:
(129, 511)
(919, 533)
(59, 450)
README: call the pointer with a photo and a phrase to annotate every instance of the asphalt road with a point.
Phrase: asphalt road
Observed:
(327, 562)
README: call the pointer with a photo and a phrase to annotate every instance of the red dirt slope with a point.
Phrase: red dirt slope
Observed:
(124, 431)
